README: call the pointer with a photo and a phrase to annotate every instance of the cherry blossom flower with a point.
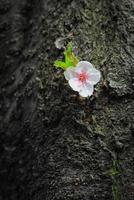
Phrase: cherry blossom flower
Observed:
(82, 78)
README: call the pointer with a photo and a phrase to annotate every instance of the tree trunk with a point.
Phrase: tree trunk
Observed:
(53, 144)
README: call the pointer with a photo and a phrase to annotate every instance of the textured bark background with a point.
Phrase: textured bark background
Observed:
(53, 144)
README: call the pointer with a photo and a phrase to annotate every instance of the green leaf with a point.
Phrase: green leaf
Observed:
(70, 47)
(74, 59)
(60, 64)
(67, 54)
(70, 59)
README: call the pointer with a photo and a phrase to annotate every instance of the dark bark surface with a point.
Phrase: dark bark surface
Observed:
(53, 144)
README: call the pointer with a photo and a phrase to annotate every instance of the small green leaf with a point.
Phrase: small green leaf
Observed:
(70, 47)
(60, 64)
(74, 59)
(70, 59)
(67, 54)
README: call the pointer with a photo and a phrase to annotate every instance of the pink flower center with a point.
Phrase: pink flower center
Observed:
(82, 77)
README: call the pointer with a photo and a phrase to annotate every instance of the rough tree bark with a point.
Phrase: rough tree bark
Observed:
(54, 145)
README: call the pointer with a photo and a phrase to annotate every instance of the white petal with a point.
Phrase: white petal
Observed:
(94, 76)
(70, 73)
(75, 84)
(86, 90)
(83, 66)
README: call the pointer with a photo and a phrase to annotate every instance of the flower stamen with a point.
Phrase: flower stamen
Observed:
(82, 77)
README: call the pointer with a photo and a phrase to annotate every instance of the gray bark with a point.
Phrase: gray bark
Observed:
(53, 144)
